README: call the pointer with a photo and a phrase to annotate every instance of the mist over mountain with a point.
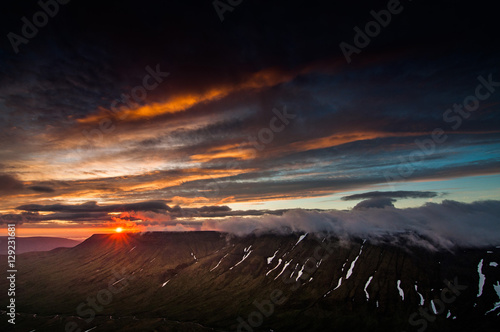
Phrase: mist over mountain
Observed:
(434, 226)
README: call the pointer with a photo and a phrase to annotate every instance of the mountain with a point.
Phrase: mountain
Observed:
(39, 243)
(210, 281)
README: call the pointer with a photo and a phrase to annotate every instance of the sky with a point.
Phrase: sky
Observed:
(188, 115)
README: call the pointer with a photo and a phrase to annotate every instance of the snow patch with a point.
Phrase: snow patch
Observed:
(216, 266)
(166, 282)
(294, 269)
(422, 301)
(482, 278)
(497, 304)
(331, 290)
(339, 284)
(433, 307)
(283, 270)
(279, 263)
(270, 259)
(400, 290)
(117, 281)
(301, 238)
(366, 286)
(301, 272)
(245, 256)
(343, 265)
(349, 272)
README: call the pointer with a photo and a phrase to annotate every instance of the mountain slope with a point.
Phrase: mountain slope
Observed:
(208, 280)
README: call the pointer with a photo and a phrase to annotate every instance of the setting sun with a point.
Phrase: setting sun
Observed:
(119, 229)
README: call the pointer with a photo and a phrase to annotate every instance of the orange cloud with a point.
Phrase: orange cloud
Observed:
(189, 201)
(128, 219)
(226, 200)
(262, 79)
(193, 174)
(227, 151)
(343, 138)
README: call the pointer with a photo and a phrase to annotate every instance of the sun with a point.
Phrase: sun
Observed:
(119, 229)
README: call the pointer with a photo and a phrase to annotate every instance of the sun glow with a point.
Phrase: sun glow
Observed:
(119, 229)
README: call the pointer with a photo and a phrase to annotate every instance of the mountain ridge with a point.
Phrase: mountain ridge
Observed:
(37, 243)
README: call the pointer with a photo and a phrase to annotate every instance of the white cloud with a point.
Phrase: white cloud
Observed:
(432, 225)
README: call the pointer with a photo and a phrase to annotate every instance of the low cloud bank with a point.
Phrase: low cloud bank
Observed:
(433, 225)
(392, 194)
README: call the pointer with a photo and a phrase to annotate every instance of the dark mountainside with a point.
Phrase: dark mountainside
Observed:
(36, 243)
(209, 281)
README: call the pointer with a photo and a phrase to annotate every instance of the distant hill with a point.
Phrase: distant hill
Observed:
(209, 281)
(37, 243)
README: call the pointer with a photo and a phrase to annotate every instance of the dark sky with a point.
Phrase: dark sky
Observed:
(211, 129)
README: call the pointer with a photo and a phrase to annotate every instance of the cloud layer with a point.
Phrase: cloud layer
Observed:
(195, 137)
(391, 194)
(433, 226)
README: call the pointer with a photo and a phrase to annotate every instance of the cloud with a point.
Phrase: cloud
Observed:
(147, 218)
(143, 213)
(261, 79)
(379, 203)
(347, 145)
(391, 194)
(9, 185)
(42, 189)
(93, 207)
(433, 226)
